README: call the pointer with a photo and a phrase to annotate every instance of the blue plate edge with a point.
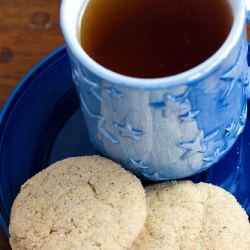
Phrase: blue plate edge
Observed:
(22, 84)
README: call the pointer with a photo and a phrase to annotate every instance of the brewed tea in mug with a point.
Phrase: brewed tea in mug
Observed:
(151, 39)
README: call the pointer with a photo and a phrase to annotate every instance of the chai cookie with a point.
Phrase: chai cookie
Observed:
(78, 203)
(184, 215)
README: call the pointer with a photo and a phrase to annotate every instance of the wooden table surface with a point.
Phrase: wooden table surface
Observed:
(29, 30)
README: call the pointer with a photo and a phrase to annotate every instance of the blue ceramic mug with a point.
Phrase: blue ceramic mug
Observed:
(170, 127)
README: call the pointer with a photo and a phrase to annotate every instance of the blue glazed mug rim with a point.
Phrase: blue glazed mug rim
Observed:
(69, 22)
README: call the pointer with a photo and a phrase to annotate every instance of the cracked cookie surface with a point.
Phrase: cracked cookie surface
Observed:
(78, 203)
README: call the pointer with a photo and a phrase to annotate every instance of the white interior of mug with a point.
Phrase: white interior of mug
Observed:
(70, 19)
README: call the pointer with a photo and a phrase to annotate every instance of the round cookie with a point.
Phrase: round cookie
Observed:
(184, 215)
(78, 203)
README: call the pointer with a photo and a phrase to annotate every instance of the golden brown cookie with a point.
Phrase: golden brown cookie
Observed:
(78, 203)
(187, 216)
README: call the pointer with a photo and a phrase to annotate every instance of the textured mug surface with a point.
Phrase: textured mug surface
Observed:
(164, 128)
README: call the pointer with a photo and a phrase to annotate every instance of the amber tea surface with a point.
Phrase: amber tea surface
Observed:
(151, 39)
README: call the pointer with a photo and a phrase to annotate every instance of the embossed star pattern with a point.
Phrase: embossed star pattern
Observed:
(75, 76)
(243, 116)
(172, 104)
(214, 157)
(102, 130)
(189, 116)
(211, 136)
(128, 131)
(94, 88)
(139, 164)
(113, 92)
(231, 77)
(228, 79)
(192, 147)
(229, 130)
(153, 177)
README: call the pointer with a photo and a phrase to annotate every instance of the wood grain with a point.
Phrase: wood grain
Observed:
(29, 30)
(23, 32)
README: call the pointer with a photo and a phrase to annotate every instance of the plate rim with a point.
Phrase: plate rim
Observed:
(16, 93)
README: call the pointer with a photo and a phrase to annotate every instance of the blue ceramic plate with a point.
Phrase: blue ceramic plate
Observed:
(41, 123)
